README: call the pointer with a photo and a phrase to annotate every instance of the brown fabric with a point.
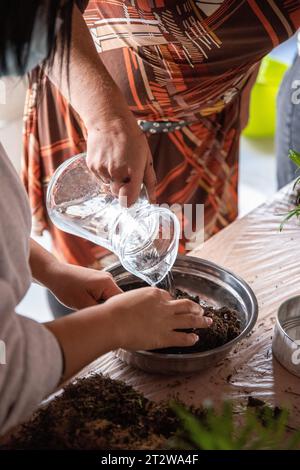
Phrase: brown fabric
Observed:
(186, 60)
(82, 4)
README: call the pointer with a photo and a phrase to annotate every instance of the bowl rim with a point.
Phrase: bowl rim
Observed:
(278, 322)
(248, 328)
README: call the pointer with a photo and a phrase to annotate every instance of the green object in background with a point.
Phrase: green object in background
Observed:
(262, 122)
(295, 212)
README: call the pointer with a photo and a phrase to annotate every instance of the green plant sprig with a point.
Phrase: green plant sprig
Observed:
(262, 428)
(295, 157)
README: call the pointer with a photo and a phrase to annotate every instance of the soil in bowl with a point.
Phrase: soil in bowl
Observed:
(226, 326)
(226, 322)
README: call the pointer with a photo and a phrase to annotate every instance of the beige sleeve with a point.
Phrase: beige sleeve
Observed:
(30, 362)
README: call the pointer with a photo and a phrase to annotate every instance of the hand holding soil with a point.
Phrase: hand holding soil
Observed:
(148, 318)
(226, 326)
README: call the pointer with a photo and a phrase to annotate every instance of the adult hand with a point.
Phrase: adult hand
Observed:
(119, 154)
(117, 150)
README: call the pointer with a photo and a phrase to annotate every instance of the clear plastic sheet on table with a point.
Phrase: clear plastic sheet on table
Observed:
(253, 248)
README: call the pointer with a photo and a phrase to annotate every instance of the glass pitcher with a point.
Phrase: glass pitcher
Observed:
(145, 237)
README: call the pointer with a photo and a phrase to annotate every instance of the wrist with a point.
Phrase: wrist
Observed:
(114, 117)
(115, 327)
(92, 329)
(43, 264)
(118, 127)
(53, 272)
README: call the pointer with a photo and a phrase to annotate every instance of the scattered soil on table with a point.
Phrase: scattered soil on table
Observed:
(100, 413)
(97, 413)
(226, 326)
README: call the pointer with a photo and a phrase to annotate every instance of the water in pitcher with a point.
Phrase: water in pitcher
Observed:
(140, 237)
(144, 237)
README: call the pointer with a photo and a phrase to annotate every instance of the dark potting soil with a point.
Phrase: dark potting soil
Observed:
(226, 322)
(226, 326)
(97, 413)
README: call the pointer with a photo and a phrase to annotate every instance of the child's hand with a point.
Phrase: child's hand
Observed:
(78, 287)
(140, 319)
(147, 319)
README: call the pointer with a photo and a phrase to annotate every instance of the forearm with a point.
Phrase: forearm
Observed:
(84, 336)
(117, 150)
(41, 263)
(85, 82)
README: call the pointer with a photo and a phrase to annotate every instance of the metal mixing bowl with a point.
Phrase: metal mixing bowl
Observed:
(286, 339)
(216, 286)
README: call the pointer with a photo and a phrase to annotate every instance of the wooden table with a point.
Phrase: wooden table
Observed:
(253, 248)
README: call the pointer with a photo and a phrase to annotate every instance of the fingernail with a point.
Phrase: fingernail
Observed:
(209, 321)
(195, 338)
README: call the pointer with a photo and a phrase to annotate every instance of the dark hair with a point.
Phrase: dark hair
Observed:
(17, 21)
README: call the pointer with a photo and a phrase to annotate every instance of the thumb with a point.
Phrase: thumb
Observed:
(119, 176)
(110, 290)
(130, 191)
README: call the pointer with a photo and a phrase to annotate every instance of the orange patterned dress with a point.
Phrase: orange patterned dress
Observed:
(177, 61)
